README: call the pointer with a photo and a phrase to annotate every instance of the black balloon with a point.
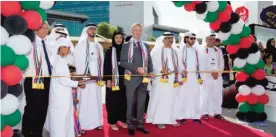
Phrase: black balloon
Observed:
(4, 89)
(30, 34)
(238, 84)
(262, 117)
(201, 8)
(233, 56)
(241, 116)
(235, 17)
(251, 117)
(242, 53)
(2, 19)
(16, 90)
(251, 82)
(17, 133)
(253, 48)
(263, 82)
(225, 27)
(15, 25)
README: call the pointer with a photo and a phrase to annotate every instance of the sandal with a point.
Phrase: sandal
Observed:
(99, 128)
(124, 125)
(114, 127)
(219, 117)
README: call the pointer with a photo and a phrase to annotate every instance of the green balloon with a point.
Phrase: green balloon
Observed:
(244, 107)
(222, 6)
(42, 13)
(246, 31)
(180, 3)
(237, 69)
(3, 122)
(260, 64)
(258, 108)
(21, 61)
(211, 17)
(30, 5)
(13, 119)
(233, 39)
(7, 55)
(249, 69)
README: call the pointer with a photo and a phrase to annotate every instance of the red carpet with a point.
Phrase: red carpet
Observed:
(212, 128)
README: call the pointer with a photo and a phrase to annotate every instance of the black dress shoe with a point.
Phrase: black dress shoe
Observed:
(182, 121)
(143, 130)
(131, 132)
(197, 121)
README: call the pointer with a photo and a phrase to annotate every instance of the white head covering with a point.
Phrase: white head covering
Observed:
(52, 38)
(80, 50)
(59, 43)
(159, 44)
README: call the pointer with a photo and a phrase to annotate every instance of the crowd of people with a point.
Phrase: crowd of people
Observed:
(183, 83)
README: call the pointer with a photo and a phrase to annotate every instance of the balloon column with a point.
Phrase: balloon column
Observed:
(242, 48)
(18, 22)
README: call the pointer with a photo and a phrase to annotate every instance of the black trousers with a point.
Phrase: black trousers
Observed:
(36, 108)
(116, 104)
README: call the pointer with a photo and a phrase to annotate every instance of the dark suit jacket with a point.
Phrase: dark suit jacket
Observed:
(137, 61)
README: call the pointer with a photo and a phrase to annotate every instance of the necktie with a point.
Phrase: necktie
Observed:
(47, 57)
(139, 47)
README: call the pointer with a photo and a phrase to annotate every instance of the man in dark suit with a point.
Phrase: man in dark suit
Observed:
(135, 58)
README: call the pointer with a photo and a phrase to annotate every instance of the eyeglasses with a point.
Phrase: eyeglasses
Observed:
(192, 38)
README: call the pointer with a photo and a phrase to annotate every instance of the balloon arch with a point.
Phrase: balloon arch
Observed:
(250, 80)
(18, 22)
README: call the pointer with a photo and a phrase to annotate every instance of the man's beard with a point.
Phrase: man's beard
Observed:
(92, 36)
(190, 43)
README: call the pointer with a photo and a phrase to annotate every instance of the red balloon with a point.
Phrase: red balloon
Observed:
(252, 38)
(229, 8)
(252, 99)
(241, 98)
(11, 75)
(215, 25)
(33, 19)
(10, 8)
(259, 74)
(245, 42)
(241, 76)
(225, 15)
(190, 7)
(263, 99)
(232, 49)
(7, 131)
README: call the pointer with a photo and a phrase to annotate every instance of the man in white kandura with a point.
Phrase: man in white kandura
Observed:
(162, 96)
(211, 90)
(188, 98)
(60, 110)
(89, 58)
(58, 31)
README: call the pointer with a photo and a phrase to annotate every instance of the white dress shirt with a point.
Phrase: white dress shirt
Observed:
(30, 71)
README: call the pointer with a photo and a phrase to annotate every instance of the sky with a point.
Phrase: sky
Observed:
(186, 20)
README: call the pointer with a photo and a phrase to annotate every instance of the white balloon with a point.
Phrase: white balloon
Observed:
(9, 104)
(223, 36)
(237, 27)
(239, 63)
(4, 36)
(46, 4)
(244, 90)
(20, 44)
(258, 90)
(201, 16)
(253, 58)
(212, 6)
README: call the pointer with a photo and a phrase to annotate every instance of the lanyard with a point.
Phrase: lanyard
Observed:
(86, 71)
(115, 72)
(184, 61)
(38, 65)
(99, 64)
